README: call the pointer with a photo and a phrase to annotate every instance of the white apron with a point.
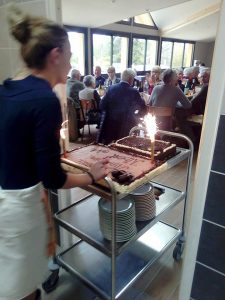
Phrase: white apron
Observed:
(23, 240)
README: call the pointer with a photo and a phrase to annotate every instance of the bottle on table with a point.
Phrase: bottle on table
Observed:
(141, 87)
(186, 88)
(145, 88)
(193, 85)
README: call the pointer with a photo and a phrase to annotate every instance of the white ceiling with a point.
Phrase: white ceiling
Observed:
(97, 13)
(182, 19)
(194, 20)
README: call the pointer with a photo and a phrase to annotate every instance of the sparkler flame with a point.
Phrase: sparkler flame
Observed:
(151, 127)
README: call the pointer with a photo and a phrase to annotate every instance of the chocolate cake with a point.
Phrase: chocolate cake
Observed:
(162, 150)
(127, 170)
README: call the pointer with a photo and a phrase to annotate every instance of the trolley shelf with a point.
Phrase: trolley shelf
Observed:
(94, 268)
(82, 219)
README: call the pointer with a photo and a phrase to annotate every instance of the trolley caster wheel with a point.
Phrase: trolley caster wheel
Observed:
(51, 282)
(178, 250)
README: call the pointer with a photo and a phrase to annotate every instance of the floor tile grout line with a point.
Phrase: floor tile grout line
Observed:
(216, 224)
(216, 172)
(210, 268)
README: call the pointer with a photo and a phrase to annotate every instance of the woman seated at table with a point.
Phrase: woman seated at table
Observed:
(154, 78)
(168, 95)
(89, 92)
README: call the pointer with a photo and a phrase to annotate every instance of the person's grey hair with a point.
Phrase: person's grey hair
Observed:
(179, 71)
(75, 73)
(98, 67)
(88, 80)
(156, 69)
(128, 74)
(188, 71)
(111, 69)
(168, 75)
(203, 71)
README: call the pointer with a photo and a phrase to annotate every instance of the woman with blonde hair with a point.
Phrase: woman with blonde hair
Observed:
(30, 153)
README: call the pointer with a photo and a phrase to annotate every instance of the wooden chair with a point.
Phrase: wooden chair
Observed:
(164, 117)
(73, 119)
(86, 106)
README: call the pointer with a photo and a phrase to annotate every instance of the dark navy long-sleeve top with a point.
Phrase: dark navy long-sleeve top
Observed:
(30, 120)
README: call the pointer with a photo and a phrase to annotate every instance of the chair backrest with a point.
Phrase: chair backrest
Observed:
(86, 105)
(89, 113)
(164, 117)
(161, 111)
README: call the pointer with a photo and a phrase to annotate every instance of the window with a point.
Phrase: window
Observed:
(102, 51)
(176, 54)
(120, 53)
(151, 54)
(178, 50)
(166, 54)
(110, 50)
(144, 54)
(188, 54)
(78, 51)
(144, 19)
(138, 57)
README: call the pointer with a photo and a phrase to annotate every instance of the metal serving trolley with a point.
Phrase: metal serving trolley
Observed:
(110, 268)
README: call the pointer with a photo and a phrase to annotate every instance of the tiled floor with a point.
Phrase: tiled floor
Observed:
(161, 282)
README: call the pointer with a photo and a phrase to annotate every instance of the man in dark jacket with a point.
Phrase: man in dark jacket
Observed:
(74, 86)
(99, 79)
(121, 107)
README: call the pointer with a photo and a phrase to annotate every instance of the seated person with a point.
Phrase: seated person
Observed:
(112, 79)
(180, 78)
(190, 79)
(89, 93)
(154, 78)
(199, 101)
(99, 79)
(168, 95)
(195, 81)
(121, 107)
(188, 76)
(74, 85)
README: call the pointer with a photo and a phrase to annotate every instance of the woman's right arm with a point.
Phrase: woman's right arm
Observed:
(97, 171)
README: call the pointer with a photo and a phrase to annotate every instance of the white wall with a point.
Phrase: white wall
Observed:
(10, 60)
(204, 52)
(208, 138)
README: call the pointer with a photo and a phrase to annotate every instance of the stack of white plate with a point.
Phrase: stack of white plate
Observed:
(144, 199)
(125, 219)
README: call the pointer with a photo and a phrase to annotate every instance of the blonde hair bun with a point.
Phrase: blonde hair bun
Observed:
(19, 24)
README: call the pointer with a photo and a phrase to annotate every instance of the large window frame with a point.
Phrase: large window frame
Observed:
(111, 34)
(146, 38)
(83, 30)
(176, 41)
